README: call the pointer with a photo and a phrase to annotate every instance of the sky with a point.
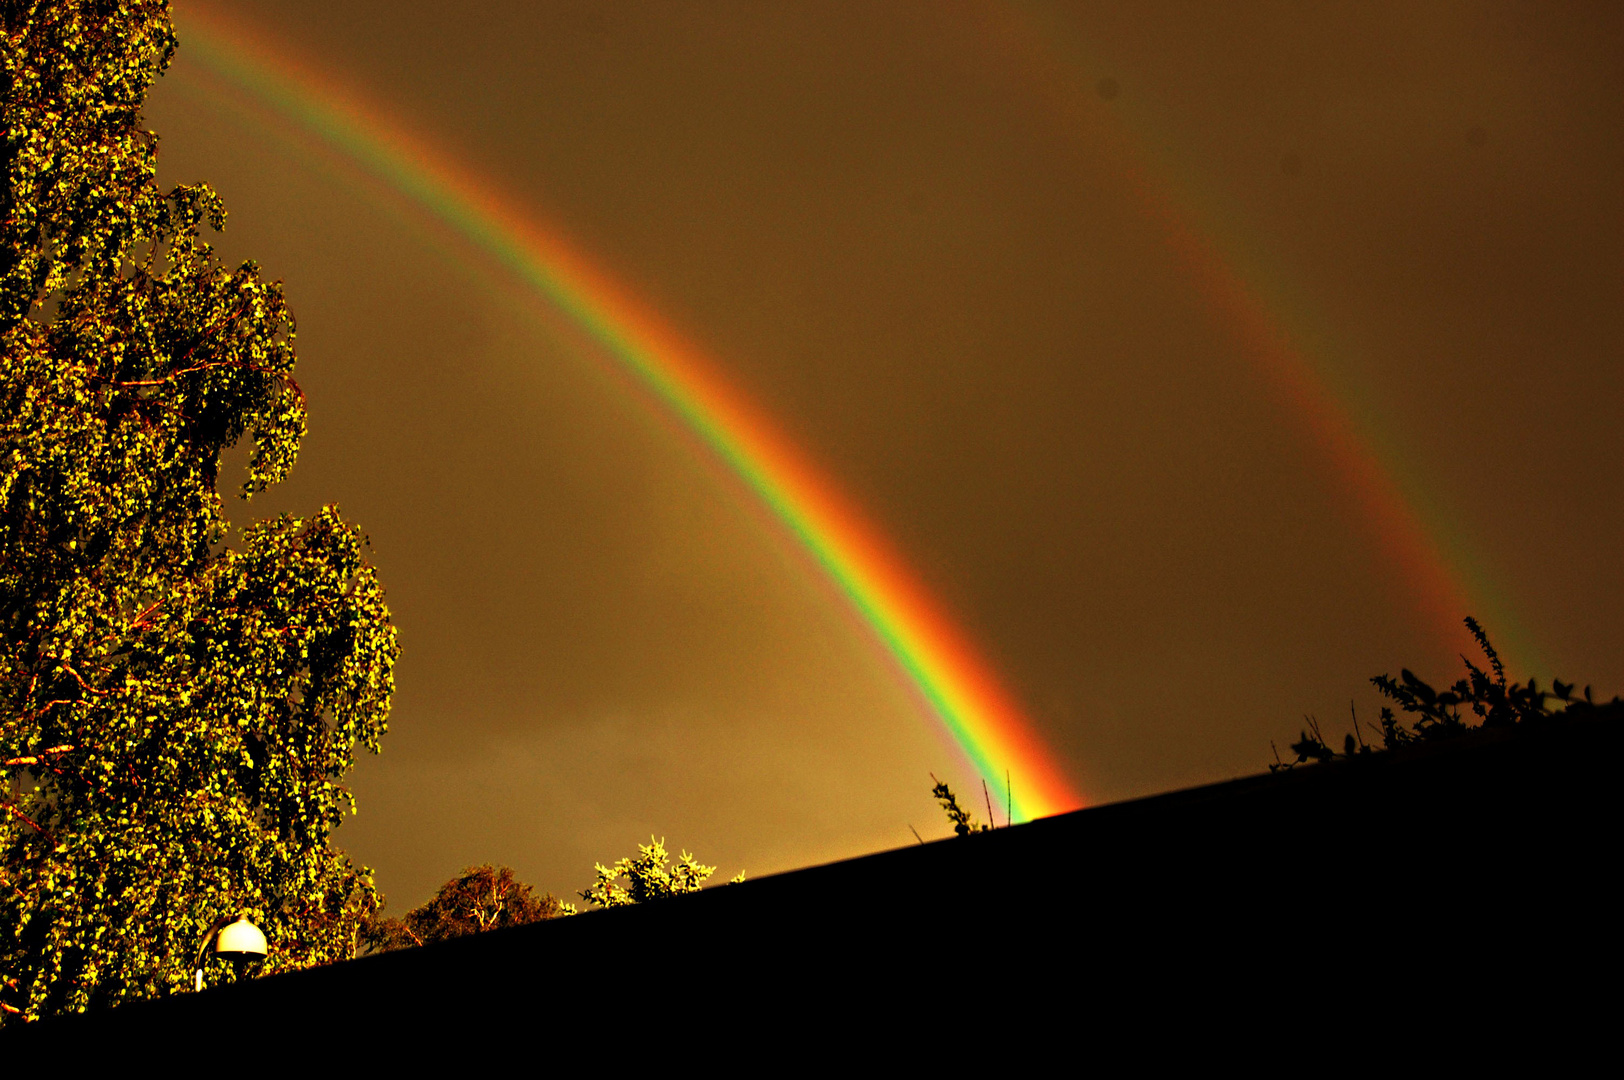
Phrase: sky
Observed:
(1199, 361)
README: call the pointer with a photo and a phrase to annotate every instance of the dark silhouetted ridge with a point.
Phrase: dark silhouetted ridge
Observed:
(1466, 875)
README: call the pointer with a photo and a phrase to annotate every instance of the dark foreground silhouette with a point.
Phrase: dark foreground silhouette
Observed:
(1471, 878)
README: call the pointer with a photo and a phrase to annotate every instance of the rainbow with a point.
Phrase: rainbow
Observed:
(1443, 579)
(961, 691)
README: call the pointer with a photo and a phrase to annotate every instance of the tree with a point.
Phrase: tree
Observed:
(176, 714)
(647, 876)
(480, 898)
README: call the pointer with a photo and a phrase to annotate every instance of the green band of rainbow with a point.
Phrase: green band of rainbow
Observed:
(981, 719)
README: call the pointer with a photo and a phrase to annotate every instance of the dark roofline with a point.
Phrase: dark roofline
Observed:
(1403, 865)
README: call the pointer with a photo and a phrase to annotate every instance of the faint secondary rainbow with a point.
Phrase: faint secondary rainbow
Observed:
(960, 689)
(1443, 579)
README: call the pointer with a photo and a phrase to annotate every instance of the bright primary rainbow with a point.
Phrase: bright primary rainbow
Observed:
(962, 692)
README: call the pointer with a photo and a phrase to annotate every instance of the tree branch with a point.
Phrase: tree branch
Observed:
(49, 751)
(14, 812)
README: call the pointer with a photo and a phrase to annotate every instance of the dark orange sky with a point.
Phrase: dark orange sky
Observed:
(900, 228)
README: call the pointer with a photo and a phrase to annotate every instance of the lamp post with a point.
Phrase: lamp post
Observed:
(239, 942)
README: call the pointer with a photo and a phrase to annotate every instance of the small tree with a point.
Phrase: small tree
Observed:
(176, 715)
(647, 876)
(480, 898)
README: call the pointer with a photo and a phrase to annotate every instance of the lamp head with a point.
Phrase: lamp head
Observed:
(241, 940)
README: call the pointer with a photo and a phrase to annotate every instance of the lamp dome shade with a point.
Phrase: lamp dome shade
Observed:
(240, 939)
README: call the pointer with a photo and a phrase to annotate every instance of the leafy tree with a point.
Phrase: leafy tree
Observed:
(176, 715)
(480, 898)
(648, 876)
(1437, 714)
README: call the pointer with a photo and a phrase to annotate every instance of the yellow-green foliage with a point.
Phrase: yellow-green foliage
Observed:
(646, 877)
(176, 715)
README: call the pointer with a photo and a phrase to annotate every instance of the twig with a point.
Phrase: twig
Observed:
(1009, 807)
(915, 831)
(86, 687)
(991, 821)
(140, 620)
(18, 813)
(48, 751)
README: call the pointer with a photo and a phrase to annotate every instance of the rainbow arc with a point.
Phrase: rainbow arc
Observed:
(960, 689)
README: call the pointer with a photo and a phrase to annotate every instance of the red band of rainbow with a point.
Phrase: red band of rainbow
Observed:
(982, 720)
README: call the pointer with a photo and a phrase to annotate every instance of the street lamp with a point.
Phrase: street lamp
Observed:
(239, 942)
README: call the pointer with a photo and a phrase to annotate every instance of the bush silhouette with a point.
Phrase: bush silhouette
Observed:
(1480, 699)
(963, 821)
